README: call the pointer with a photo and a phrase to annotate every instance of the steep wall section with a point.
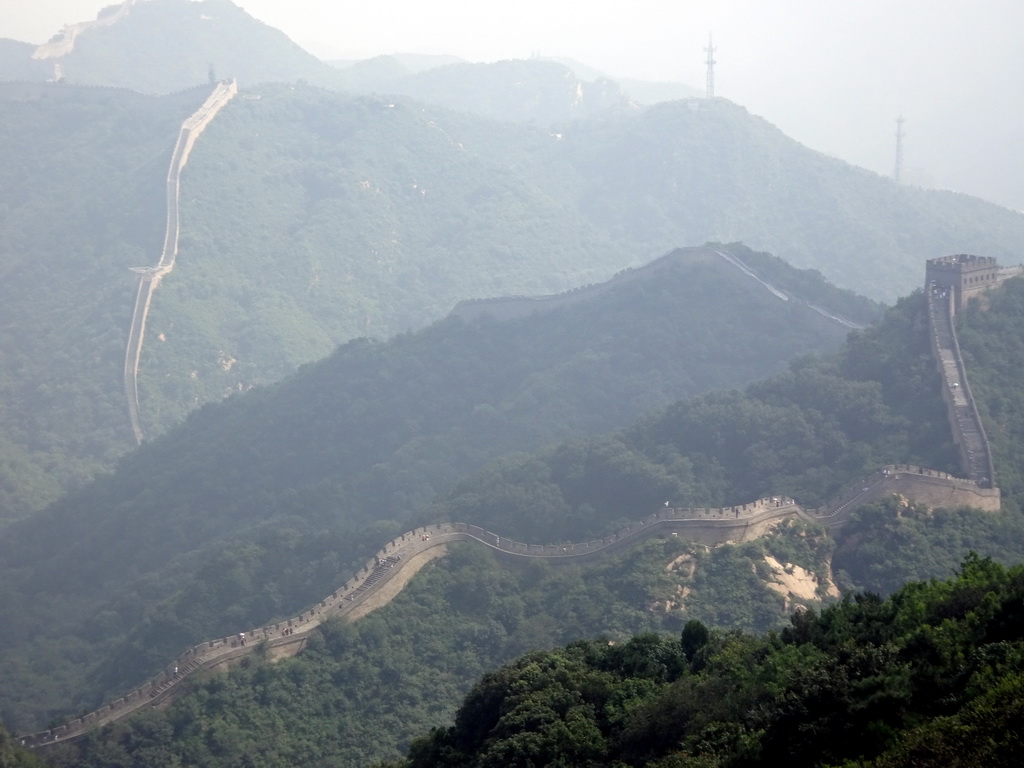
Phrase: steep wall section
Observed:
(149, 277)
(962, 412)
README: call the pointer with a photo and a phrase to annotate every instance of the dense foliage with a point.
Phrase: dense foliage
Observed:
(933, 676)
(893, 542)
(12, 756)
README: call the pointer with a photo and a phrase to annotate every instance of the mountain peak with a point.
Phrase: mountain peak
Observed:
(163, 46)
(63, 42)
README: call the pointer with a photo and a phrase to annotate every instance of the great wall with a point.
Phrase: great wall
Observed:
(149, 277)
(950, 281)
(707, 525)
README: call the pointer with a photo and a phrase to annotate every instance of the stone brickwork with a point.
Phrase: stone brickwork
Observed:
(965, 276)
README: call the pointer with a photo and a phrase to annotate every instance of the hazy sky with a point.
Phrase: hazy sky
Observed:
(833, 74)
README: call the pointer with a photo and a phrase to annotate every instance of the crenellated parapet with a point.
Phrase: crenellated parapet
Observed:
(964, 276)
(951, 281)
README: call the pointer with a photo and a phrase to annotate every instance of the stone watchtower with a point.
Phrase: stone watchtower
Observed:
(966, 276)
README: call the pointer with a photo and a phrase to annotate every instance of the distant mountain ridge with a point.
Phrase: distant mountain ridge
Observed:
(538, 91)
(162, 46)
(508, 307)
(310, 218)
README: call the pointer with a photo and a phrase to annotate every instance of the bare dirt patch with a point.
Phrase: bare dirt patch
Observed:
(793, 581)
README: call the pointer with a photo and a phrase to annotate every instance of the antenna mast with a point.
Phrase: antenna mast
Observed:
(711, 68)
(899, 149)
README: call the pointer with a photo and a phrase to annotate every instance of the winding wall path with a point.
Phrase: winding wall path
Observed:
(149, 277)
(708, 525)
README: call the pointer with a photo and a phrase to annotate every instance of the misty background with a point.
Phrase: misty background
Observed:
(832, 74)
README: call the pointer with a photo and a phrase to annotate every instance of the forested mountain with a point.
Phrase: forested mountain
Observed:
(805, 433)
(311, 218)
(351, 217)
(82, 202)
(809, 429)
(932, 677)
(323, 465)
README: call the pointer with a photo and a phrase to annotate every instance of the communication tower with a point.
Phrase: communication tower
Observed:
(899, 149)
(711, 68)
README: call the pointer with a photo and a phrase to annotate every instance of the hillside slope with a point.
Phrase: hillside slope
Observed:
(932, 677)
(807, 429)
(370, 435)
(82, 202)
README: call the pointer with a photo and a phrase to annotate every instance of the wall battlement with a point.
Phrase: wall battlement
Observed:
(964, 276)
(950, 282)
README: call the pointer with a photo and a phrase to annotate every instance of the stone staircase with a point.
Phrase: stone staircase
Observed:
(964, 420)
